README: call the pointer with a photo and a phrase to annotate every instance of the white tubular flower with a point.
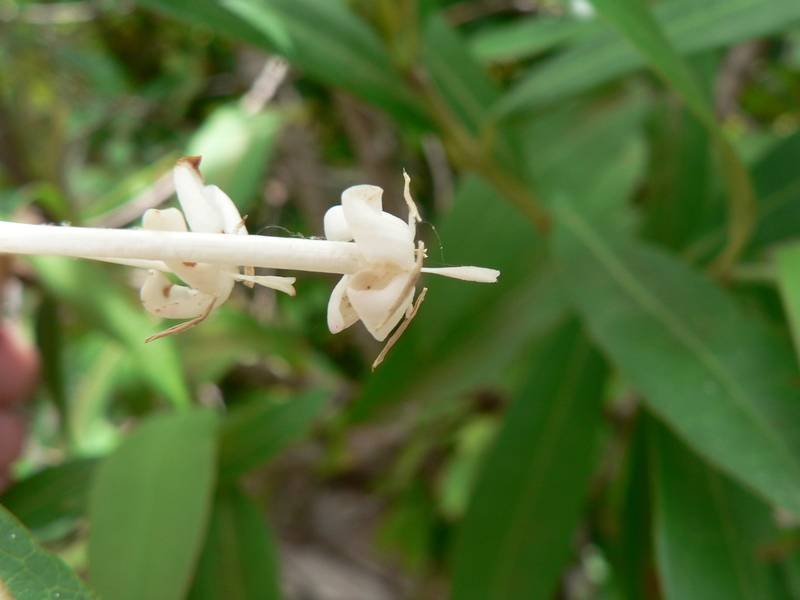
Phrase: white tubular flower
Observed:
(208, 248)
(383, 291)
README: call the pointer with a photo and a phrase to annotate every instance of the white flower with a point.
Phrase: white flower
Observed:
(208, 210)
(382, 291)
(374, 251)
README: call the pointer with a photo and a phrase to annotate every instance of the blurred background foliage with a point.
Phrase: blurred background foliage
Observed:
(617, 418)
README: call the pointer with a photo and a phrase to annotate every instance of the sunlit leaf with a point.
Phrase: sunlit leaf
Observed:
(149, 508)
(29, 572)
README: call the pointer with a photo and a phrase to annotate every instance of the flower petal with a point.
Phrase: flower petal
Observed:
(341, 313)
(380, 297)
(381, 237)
(232, 221)
(478, 274)
(336, 227)
(166, 299)
(282, 284)
(200, 209)
(170, 219)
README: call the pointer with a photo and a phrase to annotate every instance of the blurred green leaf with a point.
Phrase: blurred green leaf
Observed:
(710, 534)
(681, 197)
(256, 431)
(691, 27)
(777, 181)
(328, 41)
(464, 86)
(515, 540)
(239, 559)
(45, 500)
(109, 307)
(50, 341)
(636, 23)
(149, 508)
(724, 382)
(787, 262)
(29, 572)
(525, 38)
(236, 148)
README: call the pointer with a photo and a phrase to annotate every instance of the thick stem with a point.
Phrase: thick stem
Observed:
(295, 254)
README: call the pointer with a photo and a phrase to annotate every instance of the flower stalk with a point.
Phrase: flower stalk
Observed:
(132, 245)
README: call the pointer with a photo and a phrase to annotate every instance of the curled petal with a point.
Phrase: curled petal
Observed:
(207, 208)
(170, 219)
(381, 237)
(336, 227)
(380, 297)
(341, 313)
(478, 274)
(166, 299)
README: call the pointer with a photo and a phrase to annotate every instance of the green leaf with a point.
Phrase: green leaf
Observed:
(463, 84)
(149, 508)
(239, 559)
(459, 339)
(109, 307)
(690, 26)
(777, 181)
(328, 41)
(787, 262)
(50, 497)
(528, 37)
(236, 148)
(681, 199)
(255, 432)
(722, 381)
(29, 572)
(515, 539)
(710, 534)
(635, 22)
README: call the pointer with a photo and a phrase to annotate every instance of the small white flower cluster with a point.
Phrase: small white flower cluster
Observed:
(208, 248)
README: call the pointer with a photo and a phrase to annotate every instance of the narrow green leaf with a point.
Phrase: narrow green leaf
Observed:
(635, 22)
(515, 539)
(328, 41)
(723, 382)
(464, 85)
(254, 433)
(710, 534)
(109, 307)
(44, 500)
(680, 199)
(787, 262)
(149, 508)
(777, 181)
(239, 559)
(29, 572)
(690, 26)
(528, 37)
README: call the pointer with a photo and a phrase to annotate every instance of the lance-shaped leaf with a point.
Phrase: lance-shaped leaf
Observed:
(711, 535)
(515, 539)
(723, 382)
(149, 507)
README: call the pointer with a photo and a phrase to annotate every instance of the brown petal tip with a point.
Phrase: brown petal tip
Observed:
(192, 161)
